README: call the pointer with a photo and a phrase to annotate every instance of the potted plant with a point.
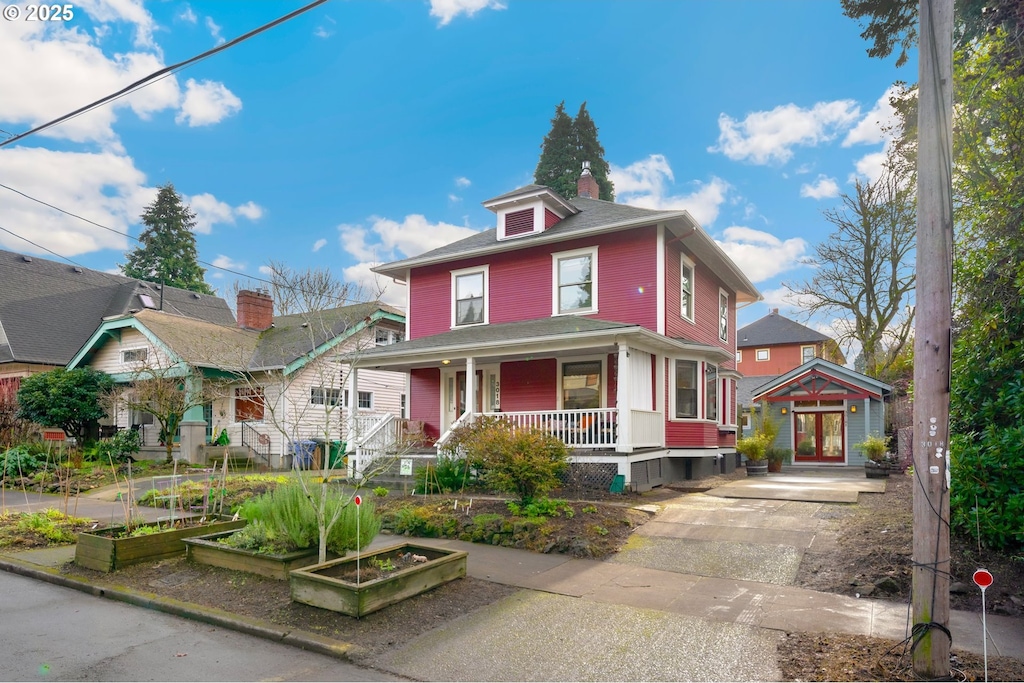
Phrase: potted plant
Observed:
(754, 448)
(776, 457)
(878, 461)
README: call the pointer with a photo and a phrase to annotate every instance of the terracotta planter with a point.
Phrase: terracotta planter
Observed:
(323, 585)
(757, 469)
(876, 470)
(774, 465)
(102, 551)
(208, 550)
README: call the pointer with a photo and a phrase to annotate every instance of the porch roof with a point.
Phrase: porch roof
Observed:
(790, 382)
(526, 338)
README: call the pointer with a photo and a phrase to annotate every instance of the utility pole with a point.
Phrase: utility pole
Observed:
(932, 341)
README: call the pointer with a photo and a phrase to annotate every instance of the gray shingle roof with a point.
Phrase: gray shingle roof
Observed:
(49, 309)
(775, 329)
(487, 334)
(746, 387)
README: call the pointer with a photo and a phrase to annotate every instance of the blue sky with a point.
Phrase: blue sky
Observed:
(368, 131)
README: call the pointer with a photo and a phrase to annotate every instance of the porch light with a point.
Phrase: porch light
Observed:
(446, 362)
(785, 410)
(853, 409)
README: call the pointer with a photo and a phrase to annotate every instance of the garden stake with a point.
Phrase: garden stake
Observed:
(983, 579)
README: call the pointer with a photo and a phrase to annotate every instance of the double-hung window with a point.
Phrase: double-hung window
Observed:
(686, 388)
(711, 391)
(806, 354)
(321, 396)
(723, 315)
(469, 297)
(575, 277)
(685, 288)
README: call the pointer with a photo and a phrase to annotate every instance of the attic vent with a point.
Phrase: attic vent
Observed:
(518, 222)
(26, 259)
(77, 269)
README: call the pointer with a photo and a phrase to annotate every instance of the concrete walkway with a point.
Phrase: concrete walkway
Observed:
(700, 587)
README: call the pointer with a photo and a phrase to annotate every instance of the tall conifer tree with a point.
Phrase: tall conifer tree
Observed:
(167, 250)
(567, 145)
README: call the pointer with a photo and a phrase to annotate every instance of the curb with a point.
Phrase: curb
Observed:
(253, 627)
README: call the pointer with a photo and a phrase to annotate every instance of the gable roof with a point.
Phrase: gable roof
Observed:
(775, 329)
(49, 309)
(594, 217)
(821, 367)
(288, 345)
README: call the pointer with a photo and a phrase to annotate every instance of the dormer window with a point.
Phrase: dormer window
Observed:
(518, 222)
(528, 211)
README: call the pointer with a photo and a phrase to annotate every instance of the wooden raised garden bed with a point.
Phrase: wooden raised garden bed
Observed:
(208, 550)
(332, 585)
(103, 551)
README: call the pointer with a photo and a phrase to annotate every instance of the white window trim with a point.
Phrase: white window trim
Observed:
(585, 359)
(555, 258)
(370, 407)
(684, 260)
(813, 354)
(767, 355)
(739, 355)
(455, 274)
(718, 393)
(721, 293)
(672, 391)
(131, 349)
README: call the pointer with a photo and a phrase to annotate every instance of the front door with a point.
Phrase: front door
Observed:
(819, 437)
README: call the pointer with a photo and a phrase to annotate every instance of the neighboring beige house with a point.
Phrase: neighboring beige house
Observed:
(269, 382)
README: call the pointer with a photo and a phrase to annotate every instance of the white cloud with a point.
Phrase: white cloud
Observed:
(250, 210)
(319, 244)
(821, 188)
(226, 262)
(388, 240)
(878, 125)
(761, 255)
(207, 102)
(446, 10)
(266, 270)
(454, 198)
(103, 187)
(214, 30)
(211, 211)
(870, 166)
(644, 183)
(462, 182)
(188, 15)
(130, 11)
(321, 32)
(768, 136)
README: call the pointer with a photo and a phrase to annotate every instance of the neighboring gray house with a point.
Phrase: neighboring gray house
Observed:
(49, 309)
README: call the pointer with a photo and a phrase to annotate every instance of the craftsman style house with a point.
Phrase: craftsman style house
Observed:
(267, 384)
(610, 326)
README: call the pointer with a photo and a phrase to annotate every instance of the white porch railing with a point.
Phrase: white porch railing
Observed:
(374, 443)
(465, 418)
(587, 428)
(648, 428)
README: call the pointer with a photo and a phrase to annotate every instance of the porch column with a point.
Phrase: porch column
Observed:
(192, 427)
(470, 386)
(659, 392)
(351, 445)
(625, 444)
(867, 417)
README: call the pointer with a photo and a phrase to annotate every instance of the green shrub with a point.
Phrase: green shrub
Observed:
(987, 495)
(19, 462)
(449, 474)
(522, 462)
(542, 507)
(258, 537)
(415, 521)
(380, 492)
(291, 515)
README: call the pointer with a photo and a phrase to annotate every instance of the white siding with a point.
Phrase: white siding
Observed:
(108, 357)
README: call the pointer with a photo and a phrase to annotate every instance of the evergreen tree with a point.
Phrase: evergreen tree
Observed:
(167, 253)
(567, 145)
(588, 148)
(558, 167)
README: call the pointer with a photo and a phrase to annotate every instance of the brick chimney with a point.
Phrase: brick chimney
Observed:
(587, 185)
(255, 310)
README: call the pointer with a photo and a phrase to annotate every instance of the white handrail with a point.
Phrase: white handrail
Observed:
(465, 418)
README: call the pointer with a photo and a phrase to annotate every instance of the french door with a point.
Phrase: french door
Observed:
(819, 437)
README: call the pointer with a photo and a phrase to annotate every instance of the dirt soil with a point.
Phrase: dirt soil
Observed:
(871, 556)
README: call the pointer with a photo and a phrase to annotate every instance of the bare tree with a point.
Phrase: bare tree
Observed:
(865, 270)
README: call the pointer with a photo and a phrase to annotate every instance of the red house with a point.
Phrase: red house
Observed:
(611, 326)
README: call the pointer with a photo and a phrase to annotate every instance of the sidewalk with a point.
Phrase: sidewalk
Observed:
(605, 620)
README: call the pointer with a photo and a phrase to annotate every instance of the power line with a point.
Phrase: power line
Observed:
(161, 73)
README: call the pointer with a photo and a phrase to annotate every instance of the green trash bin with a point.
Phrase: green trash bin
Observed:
(618, 484)
(337, 455)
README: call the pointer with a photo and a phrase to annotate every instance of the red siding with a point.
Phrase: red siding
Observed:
(612, 398)
(704, 329)
(727, 438)
(550, 218)
(781, 358)
(529, 385)
(696, 434)
(520, 283)
(425, 399)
